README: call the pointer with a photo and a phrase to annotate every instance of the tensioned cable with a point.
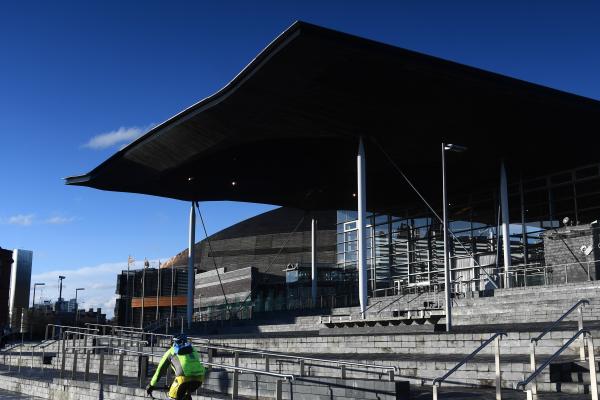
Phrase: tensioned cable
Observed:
(431, 209)
(272, 261)
(211, 252)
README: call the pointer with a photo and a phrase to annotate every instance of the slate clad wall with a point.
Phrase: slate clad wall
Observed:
(256, 241)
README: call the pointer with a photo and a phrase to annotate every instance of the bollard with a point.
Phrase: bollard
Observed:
(53, 331)
(435, 392)
(267, 364)
(532, 363)
(86, 375)
(343, 371)
(181, 325)
(498, 372)
(592, 358)
(120, 371)
(301, 367)
(391, 375)
(46, 334)
(43, 360)
(74, 371)
(278, 390)
(101, 368)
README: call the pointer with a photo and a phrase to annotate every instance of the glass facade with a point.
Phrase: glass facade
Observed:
(408, 250)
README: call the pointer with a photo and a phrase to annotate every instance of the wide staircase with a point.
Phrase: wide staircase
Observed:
(489, 351)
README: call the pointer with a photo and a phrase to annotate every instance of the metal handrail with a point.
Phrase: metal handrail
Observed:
(45, 343)
(555, 323)
(535, 373)
(299, 358)
(210, 364)
(467, 358)
(70, 327)
(114, 326)
(105, 337)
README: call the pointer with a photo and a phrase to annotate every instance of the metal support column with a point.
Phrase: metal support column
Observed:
(313, 261)
(191, 257)
(505, 224)
(362, 248)
(447, 276)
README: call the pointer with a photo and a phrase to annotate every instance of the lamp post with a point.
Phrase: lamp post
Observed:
(447, 277)
(34, 286)
(77, 305)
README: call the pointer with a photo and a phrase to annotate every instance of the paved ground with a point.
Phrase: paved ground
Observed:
(4, 395)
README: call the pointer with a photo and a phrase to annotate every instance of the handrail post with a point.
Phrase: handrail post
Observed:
(120, 371)
(63, 357)
(101, 367)
(498, 372)
(533, 367)
(86, 375)
(234, 387)
(592, 357)
(581, 338)
(278, 390)
(74, 366)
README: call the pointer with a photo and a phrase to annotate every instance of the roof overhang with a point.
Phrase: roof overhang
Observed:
(286, 129)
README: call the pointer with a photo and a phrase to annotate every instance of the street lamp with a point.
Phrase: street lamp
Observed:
(76, 304)
(447, 303)
(34, 286)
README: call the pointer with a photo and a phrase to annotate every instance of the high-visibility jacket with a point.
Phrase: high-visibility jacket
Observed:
(182, 364)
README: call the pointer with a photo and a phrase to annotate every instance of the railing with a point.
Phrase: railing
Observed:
(494, 338)
(534, 341)
(63, 327)
(111, 328)
(592, 365)
(143, 372)
(301, 360)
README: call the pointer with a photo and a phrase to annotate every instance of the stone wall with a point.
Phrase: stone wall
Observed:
(565, 251)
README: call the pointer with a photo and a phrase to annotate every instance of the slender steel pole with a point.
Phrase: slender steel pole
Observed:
(362, 248)
(172, 284)
(191, 257)
(447, 277)
(313, 261)
(143, 294)
(158, 291)
(505, 224)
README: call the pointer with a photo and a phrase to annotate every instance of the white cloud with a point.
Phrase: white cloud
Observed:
(21, 219)
(59, 220)
(122, 136)
(99, 281)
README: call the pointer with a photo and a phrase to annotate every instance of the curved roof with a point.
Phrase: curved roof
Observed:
(286, 128)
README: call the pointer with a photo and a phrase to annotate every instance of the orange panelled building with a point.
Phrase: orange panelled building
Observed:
(162, 292)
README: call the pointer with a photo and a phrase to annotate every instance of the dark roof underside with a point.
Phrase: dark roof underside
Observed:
(286, 129)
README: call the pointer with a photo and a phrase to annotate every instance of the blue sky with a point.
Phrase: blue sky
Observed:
(80, 79)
